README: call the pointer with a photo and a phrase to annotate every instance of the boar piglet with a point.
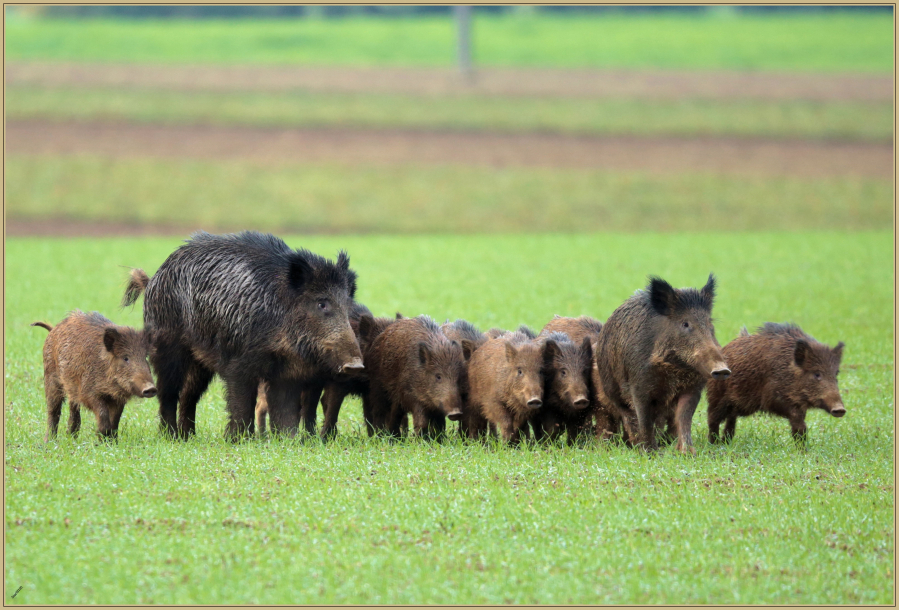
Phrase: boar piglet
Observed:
(506, 380)
(608, 422)
(470, 338)
(248, 307)
(655, 354)
(414, 368)
(568, 388)
(96, 365)
(779, 370)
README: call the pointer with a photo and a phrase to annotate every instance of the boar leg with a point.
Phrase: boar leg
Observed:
(55, 396)
(686, 407)
(730, 428)
(240, 398)
(115, 416)
(101, 411)
(716, 415)
(195, 383)
(645, 421)
(605, 429)
(283, 406)
(170, 363)
(797, 426)
(332, 400)
(378, 408)
(74, 418)
(309, 398)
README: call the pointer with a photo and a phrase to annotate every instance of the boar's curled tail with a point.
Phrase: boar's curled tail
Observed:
(137, 283)
(42, 325)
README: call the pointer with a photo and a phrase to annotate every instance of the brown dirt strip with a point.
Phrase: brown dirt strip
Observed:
(737, 156)
(628, 84)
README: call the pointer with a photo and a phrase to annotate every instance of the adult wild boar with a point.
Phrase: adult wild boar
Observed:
(779, 370)
(654, 355)
(248, 307)
(97, 365)
(414, 368)
(506, 383)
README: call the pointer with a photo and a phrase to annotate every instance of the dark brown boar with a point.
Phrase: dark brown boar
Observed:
(608, 422)
(506, 381)
(413, 368)
(248, 307)
(779, 370)
(567, 405)
(96, 365)
(470, 338)
(654, 355)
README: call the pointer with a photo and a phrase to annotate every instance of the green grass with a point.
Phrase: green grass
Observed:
(409, 199)
(835, 42)
(798, 119)
(361, 521)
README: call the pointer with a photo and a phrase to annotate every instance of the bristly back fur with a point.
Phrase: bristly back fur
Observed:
(527, 331)
(466, 327)
(773, 328)
(558, 337)
(429, 323)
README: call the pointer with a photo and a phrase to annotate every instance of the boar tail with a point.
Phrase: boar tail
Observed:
(42, 325)
(137, 283)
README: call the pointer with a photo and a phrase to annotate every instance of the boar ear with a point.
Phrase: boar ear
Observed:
(343, 260)
(587, 349)
(661, 295)
(424, 352)
(468, 347)
(366, 323)
(802, 352)
(110, 337)
(550, 351)
(300, 272)
(510, 351)
(708, 291)
(838, 351)
(743, 332)
(400, 316)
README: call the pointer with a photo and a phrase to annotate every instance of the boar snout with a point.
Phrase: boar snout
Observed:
(581, 402)
(149, 391)
(352, 367)
(454, 415)
(535, 403)
(720, 372)
(839, 410)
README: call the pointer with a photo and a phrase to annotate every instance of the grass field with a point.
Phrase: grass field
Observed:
(833, 42)
(866, 121)
(364, 521)
(332, 198)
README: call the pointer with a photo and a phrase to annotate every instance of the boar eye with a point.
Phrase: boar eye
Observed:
(126, 358)
(686, 325)
(323, 305)
(564, 372)
(439, 377)
(818, 376)
(520, 373)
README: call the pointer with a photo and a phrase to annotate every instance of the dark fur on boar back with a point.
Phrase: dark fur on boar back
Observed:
(96, 365)
(567, 405)
(506, 383)
(414, 368)
(779, 370)
(470, 338)
(654, 355)
(248, 307)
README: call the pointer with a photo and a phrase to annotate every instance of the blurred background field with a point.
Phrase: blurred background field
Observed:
(358, 119)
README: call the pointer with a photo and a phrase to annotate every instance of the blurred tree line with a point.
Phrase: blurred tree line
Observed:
(295, 11)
